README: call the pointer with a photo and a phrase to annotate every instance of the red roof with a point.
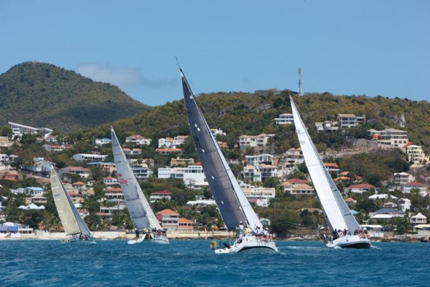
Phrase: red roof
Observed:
(415, 183)
(408, 144)
(109, 177)
(252, 200)
(136, 137)
(296, 180)
(363, 185)
(72, 193)
(331, 164)
(78, 183)
(113, 190)
(184, 220)
(161, 192)
(168, 149)
(167, 212)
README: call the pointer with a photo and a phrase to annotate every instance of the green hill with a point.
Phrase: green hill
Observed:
(246, 113)
(44, 95)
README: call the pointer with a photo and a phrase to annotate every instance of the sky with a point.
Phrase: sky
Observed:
(343, 47)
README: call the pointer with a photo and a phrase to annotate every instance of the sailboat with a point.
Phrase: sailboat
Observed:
(231, 201)
(73, 224)
(345, 229)
(140, 211)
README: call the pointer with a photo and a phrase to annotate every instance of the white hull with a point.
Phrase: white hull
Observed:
(349, 241)
(73, 240)
(249, 244)
(157, 239)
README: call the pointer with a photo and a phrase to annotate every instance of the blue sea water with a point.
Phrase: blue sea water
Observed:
(192, 263)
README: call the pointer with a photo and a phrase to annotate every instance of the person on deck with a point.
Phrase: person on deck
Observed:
(241, 230)
(137, 233)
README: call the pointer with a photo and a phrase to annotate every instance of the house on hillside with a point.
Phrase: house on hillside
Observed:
(138, 140)
(102, 141)
(185, 225)
(87, 157)
(78, 170)
(389, 137)
(402, 178)
(168, 151)
(418, 219)
(260, 140)
(327, 126)
(347, 121)
(415, 154)
(160, 195)
(284, 119)
(169, 219)
(361, 188)
(108, 167)
(421, 188)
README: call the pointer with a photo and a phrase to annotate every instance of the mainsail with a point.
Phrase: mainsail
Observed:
(337, 212)
(231, 201)
(138, 207)
(69, 215)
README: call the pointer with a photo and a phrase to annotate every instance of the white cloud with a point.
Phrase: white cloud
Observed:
(120, 76)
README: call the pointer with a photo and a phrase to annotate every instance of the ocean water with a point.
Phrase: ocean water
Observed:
(192, 263)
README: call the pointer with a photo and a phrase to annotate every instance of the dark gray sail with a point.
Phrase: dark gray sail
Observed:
(230, 199)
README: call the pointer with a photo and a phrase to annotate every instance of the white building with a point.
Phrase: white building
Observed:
(81, 171)
(85, 157)
(192, 175)
(260, 140)
(171, 142)
(415, 154)
(18, 130)
(349, 120)
(28, 191)
(361, 188)
(284, 119)
(389, 137)
(419, 219)
(294, 157)
(142, 172)
(414, 185)
(55, 147)
(102, 141)
(259, 192)
(138, 140)
(259, 159)
(160, 195)
(402, 178)
(110, 180)
(216, 132)
(259, 173)
(327, 126)
(404, 204)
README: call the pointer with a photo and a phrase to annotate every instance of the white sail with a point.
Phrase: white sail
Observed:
(231, 200)
(138, 207)
(69, 215)
(335, 208)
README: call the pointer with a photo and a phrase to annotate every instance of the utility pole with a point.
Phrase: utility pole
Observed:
(300, 81)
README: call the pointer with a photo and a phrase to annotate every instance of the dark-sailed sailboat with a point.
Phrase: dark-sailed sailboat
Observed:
(232, 203)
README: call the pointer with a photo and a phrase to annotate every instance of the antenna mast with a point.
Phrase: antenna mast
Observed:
(300, 81)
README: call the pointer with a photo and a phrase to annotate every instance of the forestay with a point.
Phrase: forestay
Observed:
(69, 215)
(231, 201)
(138, 207)
(337, 212)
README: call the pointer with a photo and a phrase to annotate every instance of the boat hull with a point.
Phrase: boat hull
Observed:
(250, 244)
(154, 239)
(350, 241)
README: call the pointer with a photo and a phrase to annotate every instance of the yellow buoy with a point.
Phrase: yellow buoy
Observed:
(213, 245)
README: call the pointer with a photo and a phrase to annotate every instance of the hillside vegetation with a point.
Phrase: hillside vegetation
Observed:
(251, 114)
(43, 95)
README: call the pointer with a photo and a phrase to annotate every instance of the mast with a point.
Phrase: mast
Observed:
(335, 209)
(69, 215)
(138, 206)
(231, 201)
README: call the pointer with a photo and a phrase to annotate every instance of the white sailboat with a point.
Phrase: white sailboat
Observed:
(346, 231)
(140, 211)
(231, 201)
(73, 224)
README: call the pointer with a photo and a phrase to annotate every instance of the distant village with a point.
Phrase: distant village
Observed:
(258, 167)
